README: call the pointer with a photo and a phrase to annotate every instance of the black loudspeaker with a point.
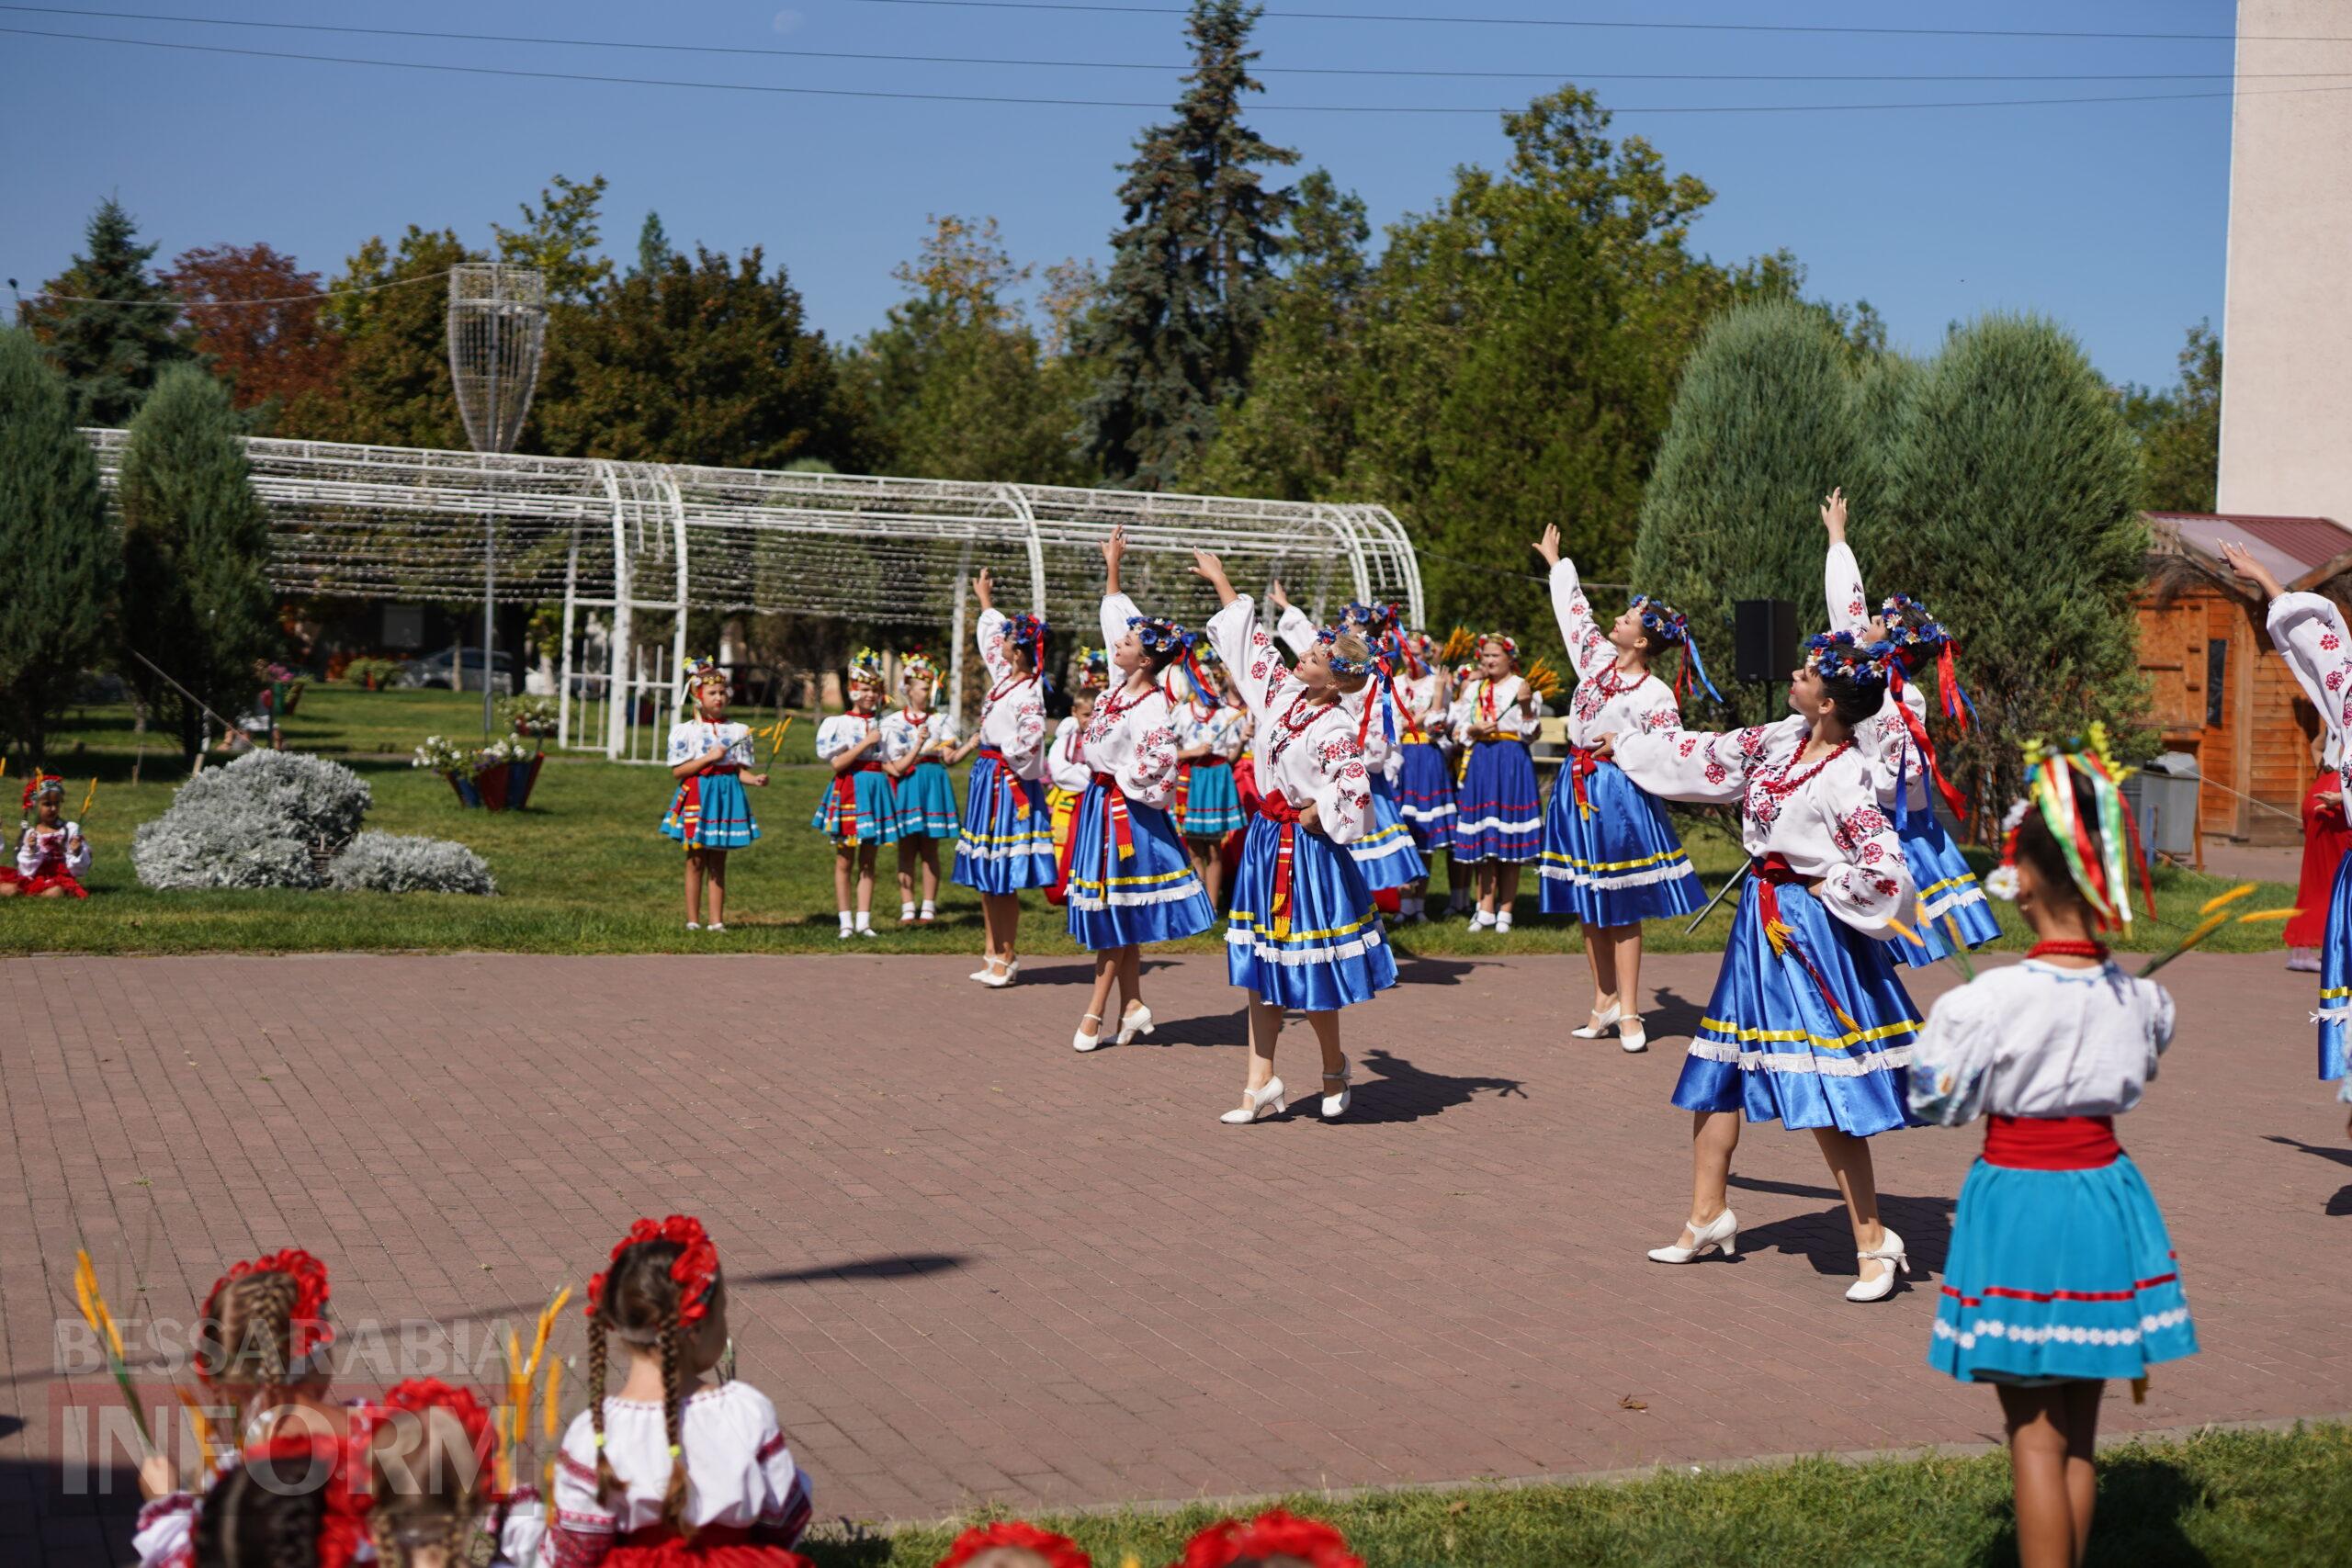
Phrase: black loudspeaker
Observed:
(1764, 640)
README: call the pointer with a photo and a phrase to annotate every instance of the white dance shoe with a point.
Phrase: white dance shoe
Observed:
(1258, 1104)
(1083, 1041)
(1603, 1020)
(1502, 922)
(1135, 1020)
(1482, 921)
(996, 976)
(1890, 1252)
(1335, 1106)
(1631, 1036)
(1722, 1233)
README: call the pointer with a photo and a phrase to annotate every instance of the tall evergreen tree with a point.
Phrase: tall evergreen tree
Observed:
(2014, 469)
(64, 557)
(1182, 311)
(195, 597)
(106, 322)
(1764, 425)
(653, 244)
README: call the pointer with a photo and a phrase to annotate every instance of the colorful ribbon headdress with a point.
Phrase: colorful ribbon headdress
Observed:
(865, 668)
(1093, 669)
(1914, 634)
(1509, 644)
(1664, 621)
(1844, 654)
(2073, 790)
(1160, 634)
(701, 672)
(917, 667)
(1028, 632)
(40, 786)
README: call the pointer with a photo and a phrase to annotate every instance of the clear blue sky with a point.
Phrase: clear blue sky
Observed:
(2108, 216)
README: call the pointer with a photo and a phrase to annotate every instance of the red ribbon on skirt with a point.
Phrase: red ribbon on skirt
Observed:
(1582, 763)
(2051, 1142)
(1120, 830)
(690, 802)
(1006, 782)
(846, 800)
(1275, 808)
(1773, 873)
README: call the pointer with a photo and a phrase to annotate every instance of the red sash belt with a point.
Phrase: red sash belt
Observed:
(845, 798)
(1275, 808)
(1582, 763)
(1007, 781)
(2051, 1142)
(1773, 873)
(1114, 813)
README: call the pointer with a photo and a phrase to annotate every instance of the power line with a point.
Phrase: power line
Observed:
(1127, 103)
(756, 52)
(1621, 26)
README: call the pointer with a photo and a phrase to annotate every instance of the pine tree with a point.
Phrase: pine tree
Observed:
(653, 244)
(2013, 495)
(196, 597)
(1183, 309)
(111, 328)
(64, 557)
(2179, 429)
(1764, 425)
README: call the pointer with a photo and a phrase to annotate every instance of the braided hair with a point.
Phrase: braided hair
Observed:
(640, 1305)
(244, 1338)
(250, 1521)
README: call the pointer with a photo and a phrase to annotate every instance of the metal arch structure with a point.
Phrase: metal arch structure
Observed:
(638, 546)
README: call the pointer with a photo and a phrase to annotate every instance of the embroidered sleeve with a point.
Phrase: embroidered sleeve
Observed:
(521, 1531)
(28, 855)
(1589, 649)
(837, 735)
(1950, 1063)
(1257, 670)
(784, 1512)
(2308, 631)
(683, 743)
(1117, 611)
(1028, 730)
(1870, 887)
(1295, 630)
(578, 1526)
(1150, 773)
(739, 746)
(1700, 766)
(1342, 786)
(991, 635)
(1842, 582)
(166, 1535)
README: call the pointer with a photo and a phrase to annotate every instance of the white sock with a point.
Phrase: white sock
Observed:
(905, 911)
(929, 908)
(845, 919)
(864, 920)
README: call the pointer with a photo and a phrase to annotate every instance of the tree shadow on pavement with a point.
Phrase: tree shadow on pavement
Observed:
(2339, 1205)
(1827, 1239)
(1403, 1092)
(888, 1265)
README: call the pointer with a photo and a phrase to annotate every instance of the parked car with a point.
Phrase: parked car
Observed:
(433, 672)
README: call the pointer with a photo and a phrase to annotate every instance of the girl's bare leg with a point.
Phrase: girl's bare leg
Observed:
(927, 851)
(1627, 942)
(1485, 875)
(1098, 1002)
(1130, 976)
(1857, 1178)
(1714, 1135)
(714, 877)
(844, 874)
(1506, 885)
(907, 869)
(2081, 1459)
(2044, 1457)
(1265, 1029)
(1325, 1025)
(1600, 957)
(866, 856)
(693, 886)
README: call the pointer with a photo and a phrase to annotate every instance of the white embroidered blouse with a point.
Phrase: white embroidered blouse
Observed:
(693, 738)
(901, 735)
(1423, 697)
(1219, 730)
(1066, 766)
(2035, 1039)
(1012, 716)
(1607, 701)
(2308, 631)
(842, 730)
(43, 851)
(1822, 816)
(1132, 738)
(1305, 752)
(1472, 703)
(1381, 759)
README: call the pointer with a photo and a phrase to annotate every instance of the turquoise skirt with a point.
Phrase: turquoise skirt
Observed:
(858, 807)
(927, 800)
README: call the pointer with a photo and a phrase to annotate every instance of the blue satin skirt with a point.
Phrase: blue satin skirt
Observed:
(1151, 895)
(1386, 854)
(1499, 813)
(1947, 889)
(1007, 842)
(1620, 865)
(1424, 795)
(1333, 953)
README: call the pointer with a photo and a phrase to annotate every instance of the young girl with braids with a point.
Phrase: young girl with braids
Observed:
(1386, 854)
(1208, 737)
(2060, 1273)
(1950, 899)
(859, 812)
(916, 742)
(1007, 842)
(1424, 785)
(1498, 816)
(1611, 858)
(53, 855)
(711, 758)
(1808, 1024)
(672, 1470)
(1131, 881)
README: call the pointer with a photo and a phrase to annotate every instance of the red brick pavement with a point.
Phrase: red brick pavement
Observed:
(971, 1265)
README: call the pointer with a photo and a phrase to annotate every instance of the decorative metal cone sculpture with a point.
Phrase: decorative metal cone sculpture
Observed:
(498, 327)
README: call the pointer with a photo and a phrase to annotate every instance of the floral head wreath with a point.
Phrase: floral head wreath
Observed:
(694, 1268)
(1664, 621)
(1028, 632)
(417, 1397)
(40, 786)
(1372, 620)
(1276, 1533)
(1160, 634)
(306, 1321)
(865, 668)
(1018, 1535)
(1914, 634)
(917, 667)
(343, 1526)
(701, 672)
(1843, 653)
(1509, 644)
(1330, 637)
(1093, 669)
(2073, 790)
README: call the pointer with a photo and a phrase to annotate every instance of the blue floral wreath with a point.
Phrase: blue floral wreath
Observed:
(1663, 620)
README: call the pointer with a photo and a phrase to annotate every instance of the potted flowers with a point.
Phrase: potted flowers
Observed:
(533, 717)
(497, 777)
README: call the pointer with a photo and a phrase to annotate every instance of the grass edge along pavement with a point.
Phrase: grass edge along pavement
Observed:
(584, 870)
(2273, 1494)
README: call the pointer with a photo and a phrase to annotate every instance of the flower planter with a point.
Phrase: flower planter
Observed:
(502, 786)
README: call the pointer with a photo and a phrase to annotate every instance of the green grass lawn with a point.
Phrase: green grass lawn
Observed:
(2221, 1498)
(584, 870)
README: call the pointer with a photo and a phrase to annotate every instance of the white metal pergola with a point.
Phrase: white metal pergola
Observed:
(616, 541)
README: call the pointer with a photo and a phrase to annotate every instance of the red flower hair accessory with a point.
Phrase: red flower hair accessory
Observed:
(1276, 1533)
(342, 1528)
(42, 783)
(418, 1395)
(306, 1324)
(1016, 1535)
(695, 1269)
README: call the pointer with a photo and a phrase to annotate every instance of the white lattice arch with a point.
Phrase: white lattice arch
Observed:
(629, 539)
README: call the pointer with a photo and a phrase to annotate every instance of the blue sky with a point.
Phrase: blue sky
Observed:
(2111, 218)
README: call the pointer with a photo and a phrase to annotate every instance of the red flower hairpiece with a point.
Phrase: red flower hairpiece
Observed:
(42, 783)
(342, 1528)
(1276, 1533)
(417, 1395)
(696, 1267)
(306, 1325)
(1054, 1551)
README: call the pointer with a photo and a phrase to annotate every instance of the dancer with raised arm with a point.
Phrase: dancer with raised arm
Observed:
(1949, 900)
(1006, 839)
(1387, 853)
(1808, 1025)
(1304, 932)
(1611, 856)
(2309, 632)
(1131, 881)
(1498, 816)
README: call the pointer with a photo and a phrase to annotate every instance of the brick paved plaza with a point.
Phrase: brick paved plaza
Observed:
(972, 1265)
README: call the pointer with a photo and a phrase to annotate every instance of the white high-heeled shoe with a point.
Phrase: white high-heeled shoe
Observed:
(1083, 1041)
(1002, 977)
(985, 971)
(1604, 1020)
(1631, 1035)
(1335, 1106)
(1258, 1104)
(1890, 1252)
(1720, 1232)
(1135, 1020)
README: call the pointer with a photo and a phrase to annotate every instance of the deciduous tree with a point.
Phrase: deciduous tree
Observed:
(269, 354)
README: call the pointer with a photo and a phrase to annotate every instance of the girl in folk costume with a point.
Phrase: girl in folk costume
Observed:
(672, 1470)
(860, 809)
(1007, 843)
(2060, 1274)
(1304, 932)
(1386, 854)
(1424, 784)
(52, 855)
(1130, 879)
(917, 740)
(1208, 737)
(2309, 632)
(1014, 1543)
(2327, 838)
(1808, 1023)
(1276, 1539)
(1611, 857)
(1498, 814)
(1950, 899)
(1066, 775)
(710, 758)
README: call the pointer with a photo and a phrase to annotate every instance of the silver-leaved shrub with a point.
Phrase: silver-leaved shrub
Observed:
(398, 863)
